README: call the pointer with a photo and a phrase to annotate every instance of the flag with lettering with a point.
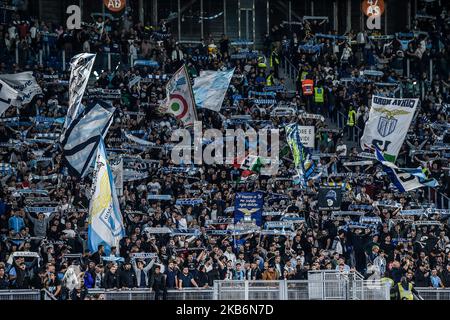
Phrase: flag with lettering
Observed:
(388, 123)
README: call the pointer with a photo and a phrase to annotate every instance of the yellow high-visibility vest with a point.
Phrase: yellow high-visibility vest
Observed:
(269, 80)
(318, 95)
(274, 58)
(405, 294)
(303, 75)
(351, 118)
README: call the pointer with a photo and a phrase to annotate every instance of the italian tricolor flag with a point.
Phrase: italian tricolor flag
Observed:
(180, 99)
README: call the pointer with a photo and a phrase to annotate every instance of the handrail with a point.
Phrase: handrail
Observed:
(49, 294)
(344, 288)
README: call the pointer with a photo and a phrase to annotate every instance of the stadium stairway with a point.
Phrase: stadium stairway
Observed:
(289, 77)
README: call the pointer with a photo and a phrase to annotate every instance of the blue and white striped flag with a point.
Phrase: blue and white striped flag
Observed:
(81, 66)
(105, 219)
(405, 179)
(83, 136)
(210, 88)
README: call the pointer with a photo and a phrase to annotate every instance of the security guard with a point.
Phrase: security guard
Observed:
(275, 61)
(308, 90)
(318, 95)
(405, 290)
(351, 120)
(262, 63)
(319, 99)
(351, 117)
(307, 87)
(269, 79)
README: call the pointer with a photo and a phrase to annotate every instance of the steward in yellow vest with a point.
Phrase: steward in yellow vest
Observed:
(351, 117)
(269, 79)
(406, 290)
(318, 95)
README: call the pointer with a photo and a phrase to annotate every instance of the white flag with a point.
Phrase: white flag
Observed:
(388, 124)
(81, 66)
(210, 88)
(25, 84)
(117, 170)
(7, 96)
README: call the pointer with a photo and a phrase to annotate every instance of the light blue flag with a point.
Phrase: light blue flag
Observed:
(105, 219)
(210, 88)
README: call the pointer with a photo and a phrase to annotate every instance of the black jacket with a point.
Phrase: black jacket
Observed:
(446, 278)
(112, 280)
(4, 282)
(157, 281)
(127, 278)
(420, 280)
(78, 294)
(201, 278)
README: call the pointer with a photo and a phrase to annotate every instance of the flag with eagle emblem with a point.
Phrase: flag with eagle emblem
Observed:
(388, 124)
(179, 98)
(248, 206)
(105, 220)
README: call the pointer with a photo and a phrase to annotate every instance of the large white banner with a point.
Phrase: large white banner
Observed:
(25, 84)
(81, 66)
(307, 135)
(388, 124)
(7, 96)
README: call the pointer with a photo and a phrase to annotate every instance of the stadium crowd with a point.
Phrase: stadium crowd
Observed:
(393, 246)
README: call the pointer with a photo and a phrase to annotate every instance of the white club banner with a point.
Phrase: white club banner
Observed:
(388, 124)
(307, 135)
(7, 96)
(25, 84)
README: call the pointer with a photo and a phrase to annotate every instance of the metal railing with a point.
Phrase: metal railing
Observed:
(440, 200)
(147, 294)
(20, 294)
(250, 290)
(289, 69)
(333, 289)
(434, 293)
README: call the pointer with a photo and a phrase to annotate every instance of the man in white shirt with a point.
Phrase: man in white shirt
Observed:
(177, 54)
(180, 222)
(230, 255)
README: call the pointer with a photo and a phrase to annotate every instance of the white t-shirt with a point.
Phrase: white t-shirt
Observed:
(340, 148)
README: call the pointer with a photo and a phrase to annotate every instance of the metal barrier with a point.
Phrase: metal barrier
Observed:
(440, 200)
(20, 294)
(146, 294)
(250, 290)
(337, 286)
(289, 69)
(434, 293)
